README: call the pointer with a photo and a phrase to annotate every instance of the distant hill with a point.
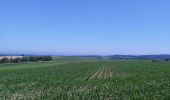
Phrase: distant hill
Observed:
(158, 57)
(139, 57)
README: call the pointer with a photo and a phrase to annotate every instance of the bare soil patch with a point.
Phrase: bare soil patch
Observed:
(104, 72)
(95, 74)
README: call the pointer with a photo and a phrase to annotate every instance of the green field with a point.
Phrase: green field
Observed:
(82, 79)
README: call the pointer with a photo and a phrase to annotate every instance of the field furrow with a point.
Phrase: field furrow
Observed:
(101, 74)
(95, 74)
(110, 73)
(105, 73)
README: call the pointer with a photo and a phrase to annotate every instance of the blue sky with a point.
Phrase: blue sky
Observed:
(85, 26)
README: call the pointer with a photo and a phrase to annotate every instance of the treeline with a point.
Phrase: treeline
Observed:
(26, 59)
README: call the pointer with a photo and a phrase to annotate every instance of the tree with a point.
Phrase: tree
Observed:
(154, 60)
(31, 58)
(47, 58)
(16, 60)
(4, 60)
(24, 59)
(11, 60)
(166, 60)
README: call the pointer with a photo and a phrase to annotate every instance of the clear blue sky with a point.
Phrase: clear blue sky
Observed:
(85, 26)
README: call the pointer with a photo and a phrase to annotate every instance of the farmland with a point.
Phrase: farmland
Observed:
(77, 79)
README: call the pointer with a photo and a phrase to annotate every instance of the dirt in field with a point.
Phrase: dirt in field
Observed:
(104, 72)
(95, 74)
(25, 84)
(120, 74)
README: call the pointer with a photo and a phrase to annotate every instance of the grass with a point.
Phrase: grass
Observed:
(130, 79)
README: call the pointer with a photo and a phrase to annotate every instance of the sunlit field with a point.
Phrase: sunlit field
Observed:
(86, 79)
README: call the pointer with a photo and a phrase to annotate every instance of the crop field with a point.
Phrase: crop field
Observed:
(86, 79)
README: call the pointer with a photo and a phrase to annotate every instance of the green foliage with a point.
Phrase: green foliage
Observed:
(131, 79)
(166, 60)
(40, 58)
(26, 59)
(155, 60)
(16, 60)
(4, 60)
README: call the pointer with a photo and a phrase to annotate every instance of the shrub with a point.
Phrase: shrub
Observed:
(166, 60)
(156, 60)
